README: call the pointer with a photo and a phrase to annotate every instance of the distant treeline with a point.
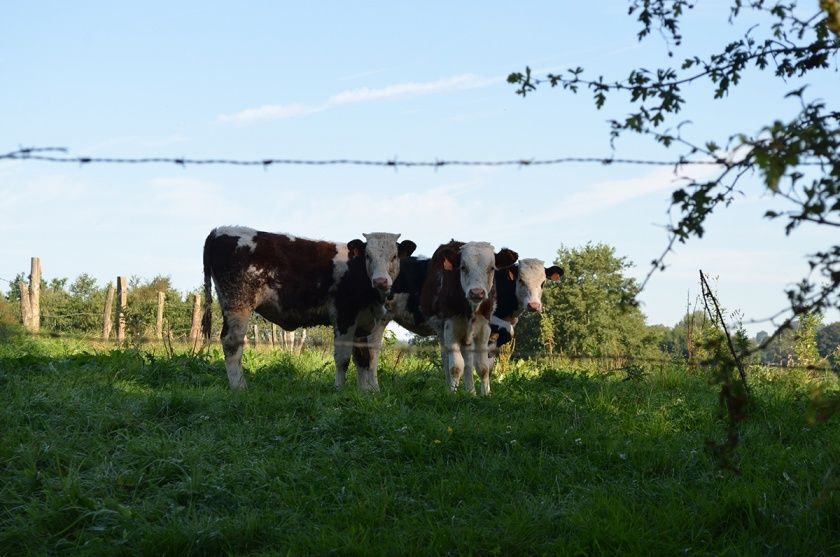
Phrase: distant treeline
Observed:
(591, 314)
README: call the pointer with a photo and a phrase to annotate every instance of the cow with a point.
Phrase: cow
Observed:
(297, 282)
(459, 293)
(518, 289)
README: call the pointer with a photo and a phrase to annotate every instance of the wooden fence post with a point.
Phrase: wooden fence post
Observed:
(25, 307)
(122, 304)
(195, 326)
(107, 312)
(256, 335)
(159, 322)
(299, 346)
(35, 294)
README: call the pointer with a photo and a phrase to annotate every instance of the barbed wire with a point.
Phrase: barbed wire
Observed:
(34, 154)
(626, 362)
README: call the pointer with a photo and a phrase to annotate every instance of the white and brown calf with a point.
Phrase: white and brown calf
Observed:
(459, 293)
(296, 282)
(518, 289)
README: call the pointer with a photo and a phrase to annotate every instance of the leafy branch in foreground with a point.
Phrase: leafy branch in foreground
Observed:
(798, 160)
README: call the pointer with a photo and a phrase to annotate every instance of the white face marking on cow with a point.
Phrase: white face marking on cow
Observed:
(381, 259)
(342, 256)
(478, 263)
(246, 236)
(529, 285)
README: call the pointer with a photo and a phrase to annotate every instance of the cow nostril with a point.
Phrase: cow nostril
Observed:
(477, 293)
(534, 306)
(380, 283)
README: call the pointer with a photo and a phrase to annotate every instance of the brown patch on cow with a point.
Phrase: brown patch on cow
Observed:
(442, 295)
(355, 248)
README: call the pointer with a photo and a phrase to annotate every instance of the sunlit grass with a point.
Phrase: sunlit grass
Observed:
(107, 451)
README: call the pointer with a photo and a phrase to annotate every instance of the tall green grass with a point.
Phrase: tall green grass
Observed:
(111, 452)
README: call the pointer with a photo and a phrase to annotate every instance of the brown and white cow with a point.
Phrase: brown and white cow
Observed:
(459, 292)
(296, 282)
(518, 289)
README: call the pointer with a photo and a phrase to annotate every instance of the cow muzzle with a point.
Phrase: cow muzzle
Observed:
(477, 294)
(381, 283)
(534, 306)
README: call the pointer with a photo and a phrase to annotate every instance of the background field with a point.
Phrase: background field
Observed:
(132, 451)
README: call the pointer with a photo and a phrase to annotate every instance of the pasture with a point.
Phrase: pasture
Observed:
(112, 452)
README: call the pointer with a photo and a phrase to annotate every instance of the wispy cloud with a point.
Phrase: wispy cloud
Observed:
(604, 195)
(364, 94)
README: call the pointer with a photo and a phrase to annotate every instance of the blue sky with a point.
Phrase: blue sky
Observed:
(373, 80)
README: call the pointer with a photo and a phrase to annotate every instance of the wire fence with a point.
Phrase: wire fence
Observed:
(42, 154)
(432, 351)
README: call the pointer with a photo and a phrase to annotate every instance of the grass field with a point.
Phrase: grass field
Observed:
(107, 452)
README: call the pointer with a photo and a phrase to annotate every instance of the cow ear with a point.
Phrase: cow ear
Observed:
(505, 258)
(406, 248)
(355, 248)
(554, 273)
(451, 259)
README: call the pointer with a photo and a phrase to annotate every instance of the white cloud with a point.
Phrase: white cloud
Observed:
(271, 112)
(360, 95)
(604, 195)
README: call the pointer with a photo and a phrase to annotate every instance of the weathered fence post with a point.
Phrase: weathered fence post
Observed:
(122, 304)
(35, 294)
(159, 321)
(107, 312)
(273, 335)
(256, 335)
(30, 298)
(299, 346)
(25, 307)
(195, 326)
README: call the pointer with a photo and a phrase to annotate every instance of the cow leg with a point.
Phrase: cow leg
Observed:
(452, 347)
(469, 363)
(363, 353)
(444, 359)
(234, 325)
(480, 359)
(370, 360)
(343, 346)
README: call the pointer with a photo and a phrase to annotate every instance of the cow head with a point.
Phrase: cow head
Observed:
(382, 255)
(477, 264)
(530, 277)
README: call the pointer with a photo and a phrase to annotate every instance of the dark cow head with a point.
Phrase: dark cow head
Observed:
(530, 276)
(477, 264)
(382, 256)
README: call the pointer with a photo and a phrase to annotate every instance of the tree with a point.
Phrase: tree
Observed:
(806, 340)
(798, 160)
(828, 339)
(592, 313)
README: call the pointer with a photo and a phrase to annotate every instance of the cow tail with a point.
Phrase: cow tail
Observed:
(207, 318)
